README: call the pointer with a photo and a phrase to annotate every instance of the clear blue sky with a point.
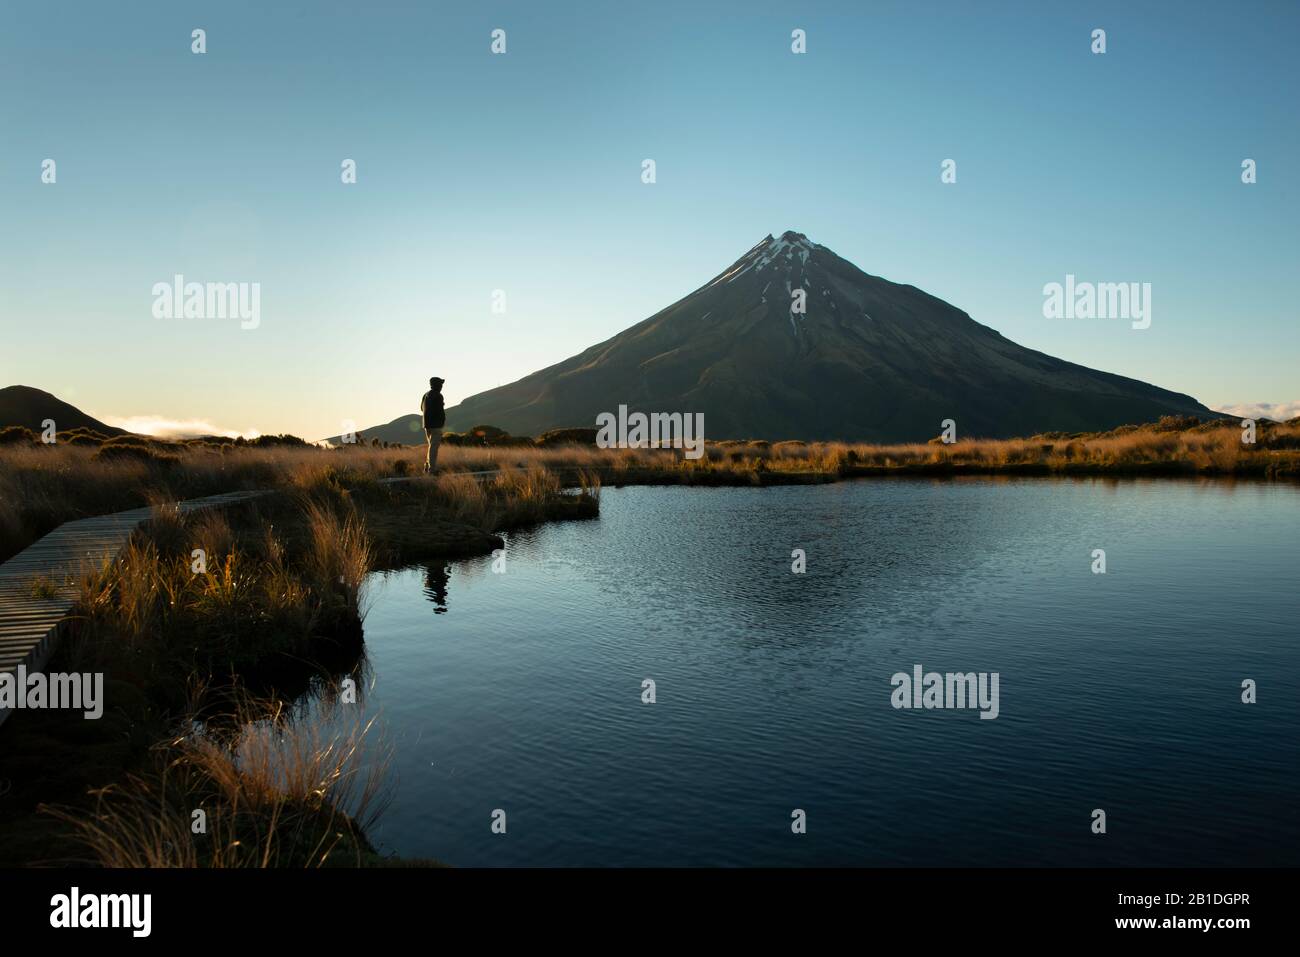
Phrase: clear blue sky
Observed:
(522, 172)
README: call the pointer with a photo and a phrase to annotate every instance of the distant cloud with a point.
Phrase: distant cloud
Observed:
(1277, 411)
(165, 428)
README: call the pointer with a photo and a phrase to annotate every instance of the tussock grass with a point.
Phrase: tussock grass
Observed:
(187, 594)
(464, 498)
(275, 791)
(340, 556)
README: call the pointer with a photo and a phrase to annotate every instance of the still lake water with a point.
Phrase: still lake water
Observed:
(1121, 691)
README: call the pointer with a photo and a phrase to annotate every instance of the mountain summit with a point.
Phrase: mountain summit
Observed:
(865, 359)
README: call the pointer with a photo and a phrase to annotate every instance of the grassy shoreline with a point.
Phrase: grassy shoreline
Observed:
(202, 667)
(43, 486)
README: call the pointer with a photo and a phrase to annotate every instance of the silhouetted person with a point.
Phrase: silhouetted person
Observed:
(435, 418)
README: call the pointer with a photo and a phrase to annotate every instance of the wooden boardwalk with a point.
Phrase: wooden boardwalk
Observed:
(30, 625)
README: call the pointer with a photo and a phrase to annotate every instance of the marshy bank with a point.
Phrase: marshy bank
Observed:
(208, 627)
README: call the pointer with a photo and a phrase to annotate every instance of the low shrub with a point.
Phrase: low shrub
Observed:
(17, 435)
(566, 437)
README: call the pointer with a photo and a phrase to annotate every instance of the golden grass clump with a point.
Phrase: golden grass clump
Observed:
(188, 594)
(277, 791)
(341, 553)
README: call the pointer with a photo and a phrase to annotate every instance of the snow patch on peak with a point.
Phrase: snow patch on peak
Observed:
(767, 251)
(787, 247)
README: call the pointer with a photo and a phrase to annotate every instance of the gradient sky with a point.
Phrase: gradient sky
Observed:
(522, 172)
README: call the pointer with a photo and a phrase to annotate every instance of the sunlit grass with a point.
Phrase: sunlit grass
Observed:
(43, 486)
(185, 588)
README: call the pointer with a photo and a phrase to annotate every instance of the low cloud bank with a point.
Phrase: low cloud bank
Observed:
(164, 428)
(1277, 411)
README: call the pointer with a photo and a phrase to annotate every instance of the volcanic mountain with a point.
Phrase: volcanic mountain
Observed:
(867, 359)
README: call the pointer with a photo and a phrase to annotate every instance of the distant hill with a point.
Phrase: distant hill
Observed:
(25, 406)
(403, 430)
(869, 360)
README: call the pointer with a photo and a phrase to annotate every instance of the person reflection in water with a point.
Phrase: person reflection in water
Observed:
(435, 585)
